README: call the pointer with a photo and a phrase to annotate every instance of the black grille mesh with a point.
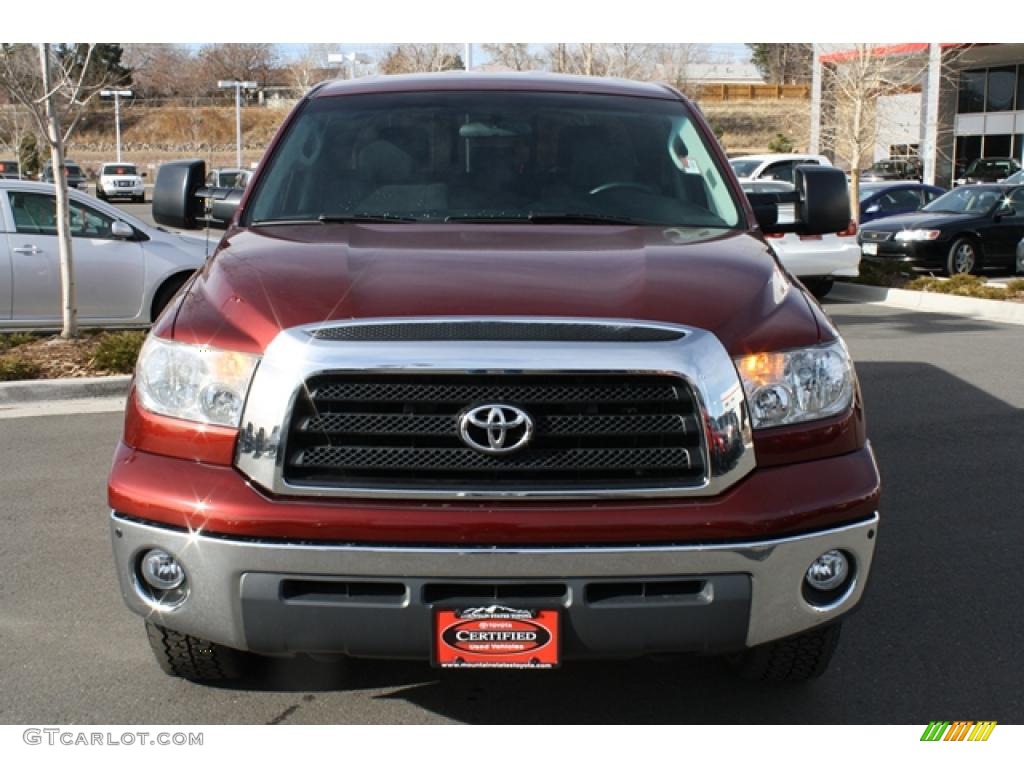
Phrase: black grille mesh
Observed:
(400, 432)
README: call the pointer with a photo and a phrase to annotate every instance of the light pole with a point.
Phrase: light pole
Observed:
(117, 115)
(238, 85)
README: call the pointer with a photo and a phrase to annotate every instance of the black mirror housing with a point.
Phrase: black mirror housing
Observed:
(823, 205)
(174, 194)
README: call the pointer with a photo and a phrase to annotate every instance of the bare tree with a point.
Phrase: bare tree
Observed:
(516, 56)
(429, 57)
(238, 61)
(674, 63)
(159, 69)
(853, 80)
(310, 66)
(55, 86)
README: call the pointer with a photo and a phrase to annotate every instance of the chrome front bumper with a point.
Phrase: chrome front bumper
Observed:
(235, 597)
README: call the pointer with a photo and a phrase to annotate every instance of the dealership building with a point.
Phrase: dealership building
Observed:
(966, 102)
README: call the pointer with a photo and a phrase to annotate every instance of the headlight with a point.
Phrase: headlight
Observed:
(798, 385)
(193, 382)
(917, 234)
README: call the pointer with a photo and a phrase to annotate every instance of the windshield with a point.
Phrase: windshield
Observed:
(965, 200)
(494, 156)
(744, 168)
(120, 170)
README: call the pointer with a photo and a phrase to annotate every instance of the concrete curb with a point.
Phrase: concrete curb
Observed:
(42, 390)
(922, 301)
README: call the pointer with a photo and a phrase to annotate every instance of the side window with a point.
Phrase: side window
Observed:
(87, 222)
(899, 200)
(1017, 201)
(931, 194)
(782, 171)
(34, 214)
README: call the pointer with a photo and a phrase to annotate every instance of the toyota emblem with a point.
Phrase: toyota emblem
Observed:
(495, 429)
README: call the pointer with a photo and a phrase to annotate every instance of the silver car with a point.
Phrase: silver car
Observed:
(125, 270)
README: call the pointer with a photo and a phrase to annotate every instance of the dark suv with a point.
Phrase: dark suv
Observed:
(73, 171)
(894, 169)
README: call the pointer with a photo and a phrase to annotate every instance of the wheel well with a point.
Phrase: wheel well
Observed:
(166, 292)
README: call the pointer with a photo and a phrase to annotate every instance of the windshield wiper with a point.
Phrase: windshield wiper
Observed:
(546, 218)
(342, 218)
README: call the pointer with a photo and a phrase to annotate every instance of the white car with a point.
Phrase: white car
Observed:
(816, 259)
(125, 270)
(773, 167)
(121, 180)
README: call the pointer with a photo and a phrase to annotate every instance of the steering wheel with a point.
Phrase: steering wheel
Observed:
(622, 185)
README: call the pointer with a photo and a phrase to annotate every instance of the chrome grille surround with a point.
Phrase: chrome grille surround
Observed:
(696, 356)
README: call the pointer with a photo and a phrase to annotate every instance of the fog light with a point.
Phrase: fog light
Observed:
(828, 571)
(161, 571)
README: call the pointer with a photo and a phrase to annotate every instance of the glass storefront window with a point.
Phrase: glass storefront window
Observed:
(968, 149)
(972, 92)
(998, 145)
(1002, 83)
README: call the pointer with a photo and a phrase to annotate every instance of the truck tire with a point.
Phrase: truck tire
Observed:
(193, 659)
(789, 660)
(819, 286)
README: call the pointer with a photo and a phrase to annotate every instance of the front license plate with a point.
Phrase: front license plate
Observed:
(496, 636)
(869, 249)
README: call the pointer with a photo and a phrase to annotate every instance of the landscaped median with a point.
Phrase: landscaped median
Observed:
(967, 295)
(25, 356)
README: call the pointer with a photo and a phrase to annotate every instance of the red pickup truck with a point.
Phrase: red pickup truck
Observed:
(494, 371)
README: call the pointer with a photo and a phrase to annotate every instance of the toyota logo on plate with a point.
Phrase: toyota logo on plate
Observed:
(495, 429)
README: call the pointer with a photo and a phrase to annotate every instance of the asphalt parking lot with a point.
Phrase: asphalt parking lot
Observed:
(938, 636)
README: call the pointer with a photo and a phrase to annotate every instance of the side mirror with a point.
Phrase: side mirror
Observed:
(820, 200)
(823, 200)
(766, 208)
(174, 194)
(181, 200)
(121, 231)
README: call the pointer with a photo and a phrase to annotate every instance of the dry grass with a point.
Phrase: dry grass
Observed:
(51, 357)
(969, 285)
(748, 127)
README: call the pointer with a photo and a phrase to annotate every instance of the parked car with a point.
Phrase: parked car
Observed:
(73, 171)
(121, 180)
(894, 169)
(228, 177)
(125, 270)
(816, 259)
(963, 231)
(495, 370)
(881, 199)
(9, 169)
(773, 167)
(985, 170)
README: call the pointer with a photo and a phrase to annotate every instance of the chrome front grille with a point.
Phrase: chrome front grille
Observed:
(401, 431)
(616, 408)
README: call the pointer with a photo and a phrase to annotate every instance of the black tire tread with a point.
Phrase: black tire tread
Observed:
(792, 659)
(201, 661)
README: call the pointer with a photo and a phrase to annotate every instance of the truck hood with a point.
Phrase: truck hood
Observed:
(916, 220)
(263, 280)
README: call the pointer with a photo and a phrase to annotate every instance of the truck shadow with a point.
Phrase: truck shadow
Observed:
(938, 634)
